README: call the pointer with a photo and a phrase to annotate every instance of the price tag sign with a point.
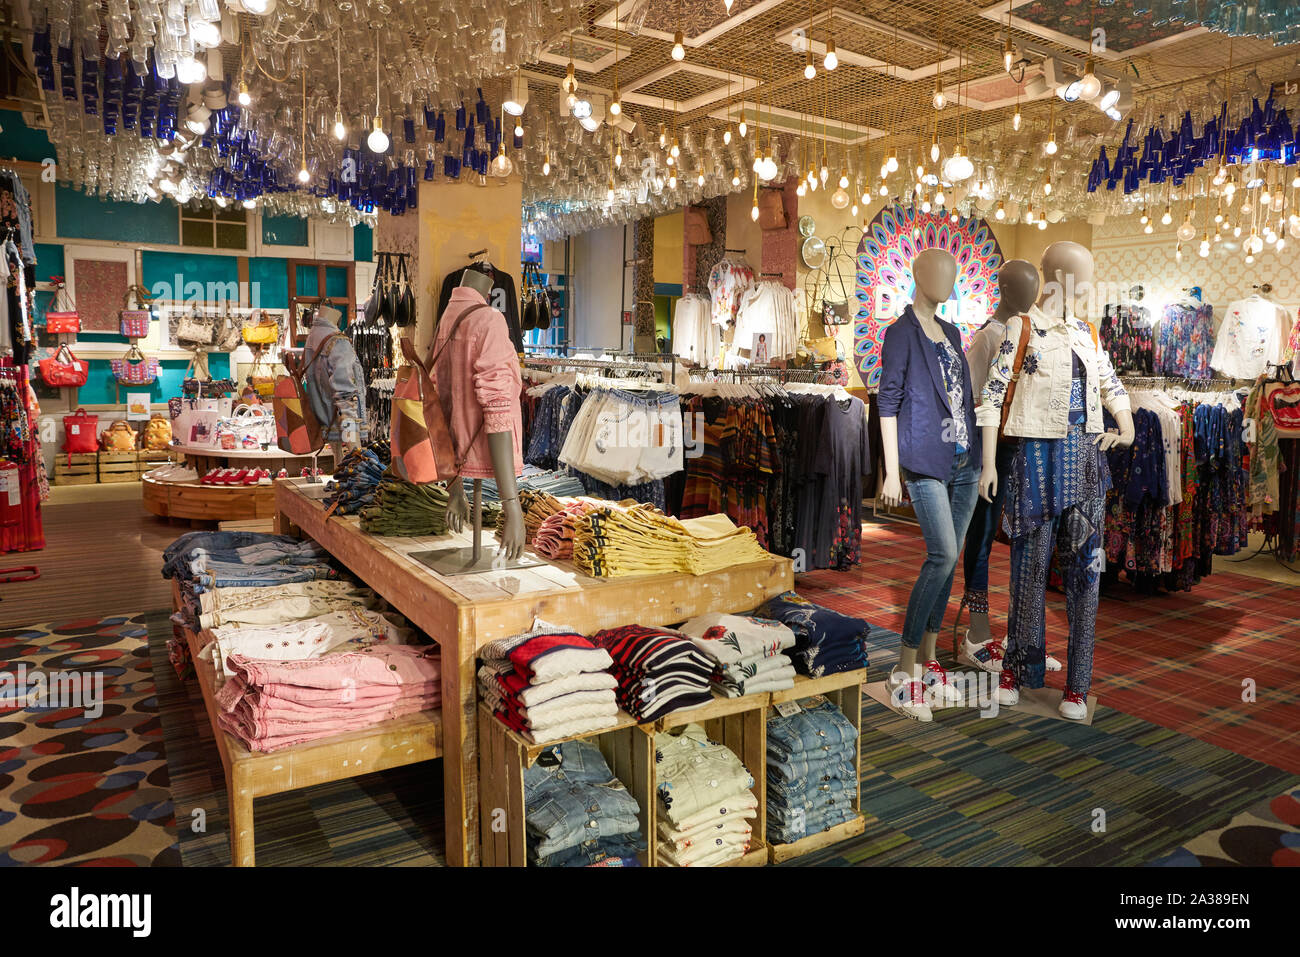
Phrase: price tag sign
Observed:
(787, 708)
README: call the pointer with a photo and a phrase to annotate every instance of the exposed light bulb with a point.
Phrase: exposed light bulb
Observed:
(934, 151)
(1047, 187)
(378, 139)
(1144, 217)
(699, 179)
(853, 211)
(925, 206)
(546, 167)
(825, 173)
(726, 136)
(679, 47)
(891, 164)
(303, 175)
(800, 190)
(340, 130)
(809, 71)
(519, 129)
(840, 199)
(1008, 54)
(618, 160)
(1001, 213)
(735, 180)
(1050, 148)
(1016, 120)
(753, 212)
(672, 180)
(1089, 84)
(939, 198)
(844, 180)
(1167, 218)
(831, 60)
(244, 98)
(939, 100)
(884, 190)
(1148, 228)
(609, 192)
(1042, 223)
(676, 149)
(1187, 232)
(615, 107)
(743, 128)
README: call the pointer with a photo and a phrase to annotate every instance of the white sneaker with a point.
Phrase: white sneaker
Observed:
(907, 696)
(939, 690)
(1053, 664)
(986, 657)
(1073, 706)
(1008, 690)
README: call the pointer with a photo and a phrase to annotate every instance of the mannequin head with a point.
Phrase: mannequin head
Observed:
(1017, 289)
(478, 281)
(935, 272)
(329, 314)
(1067, 278)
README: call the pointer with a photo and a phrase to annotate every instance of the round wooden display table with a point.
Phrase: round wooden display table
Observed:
(205, 458)
(208, 503)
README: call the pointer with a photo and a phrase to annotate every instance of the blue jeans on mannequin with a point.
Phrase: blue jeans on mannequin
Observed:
(944, 509)
(979, 537)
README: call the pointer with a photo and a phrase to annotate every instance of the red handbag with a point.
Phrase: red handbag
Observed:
(64, 370)
(61, 320)
(80, 432)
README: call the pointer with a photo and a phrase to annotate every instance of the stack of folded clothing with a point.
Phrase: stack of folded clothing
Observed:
(405, 509)
(271, 605)
(557, 483)
(577, 814)
(347, 630)
(705, 801)
(201, 561)
(537, 507)
(548, 683)
(638, 539)
(274, 704)
(826, 641)
(554, 538)
(746, 652)
(812, 779)
(658, 670)
(355, 480)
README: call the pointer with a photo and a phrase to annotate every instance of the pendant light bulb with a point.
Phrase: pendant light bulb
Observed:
(1168, 216)
(615, 106)
(244, 98)
(378, 139)
(934, 151)
(726, 136)
(1008, 54)
(891, 164)
(801, 190)
(519, 129)
(939, 198)
(939, 99)
(743, 128)
(618, 158)
(1001, 213)
(679, 46)
(831, 60)
(546, 166)
(676, 149)
(809, 70)
(844, 178)
(1047, 186)
(753, 212)
(735, 179)
(1050, 148)
(884, 190)
(672, 180)
(663, 136)
(340, 129)
(303, 175)
(1016, 120)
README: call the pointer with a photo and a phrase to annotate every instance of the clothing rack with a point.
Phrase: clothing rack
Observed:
(1194, 385)
(755, 372)
(605, 366)
(1274, 373)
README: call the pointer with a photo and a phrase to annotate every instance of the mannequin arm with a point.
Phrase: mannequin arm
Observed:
(1107, 440)
(502, 447)
(989, 470)
(457, 505)
(891, 493)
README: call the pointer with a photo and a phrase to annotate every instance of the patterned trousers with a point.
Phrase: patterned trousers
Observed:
(1076, 536)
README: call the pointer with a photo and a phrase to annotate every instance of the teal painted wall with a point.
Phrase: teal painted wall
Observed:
(20, 141)
(79, 216)
(100, 389)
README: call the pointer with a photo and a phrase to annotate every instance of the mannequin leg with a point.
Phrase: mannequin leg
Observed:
(1081, 532)
(929, 641)
(930, 500)
(909, 661)
(1031, 557)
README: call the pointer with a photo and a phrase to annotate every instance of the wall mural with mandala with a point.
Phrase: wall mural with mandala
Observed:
(885, 285)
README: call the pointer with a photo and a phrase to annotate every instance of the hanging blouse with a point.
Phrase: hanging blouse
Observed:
(727, 284)
(1185, 340)
(1252, 337)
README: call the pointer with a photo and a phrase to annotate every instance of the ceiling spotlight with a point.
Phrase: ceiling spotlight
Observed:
(831, 60)
(1109, 100)
(679, 47)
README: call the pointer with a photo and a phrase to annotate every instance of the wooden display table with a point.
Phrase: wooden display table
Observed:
(251, 774)
(203, 458)
(207, 503)
(464, 613)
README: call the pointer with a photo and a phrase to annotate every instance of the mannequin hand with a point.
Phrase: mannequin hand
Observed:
(988, 484)
(512, 532)
(891, 493)
(457, 507)
(1108, 440)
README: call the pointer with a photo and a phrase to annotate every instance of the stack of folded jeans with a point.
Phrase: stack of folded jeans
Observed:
(275, 704)
(658, 670)
(826, 641)
(548, 683)
(812, 780)
(268, 606)
(355, 480)
(201, 561)
(577, 814)
(559, 484)
(705, 801)
(615, 540)
(554, 538)
(746, 652)
(335, 631)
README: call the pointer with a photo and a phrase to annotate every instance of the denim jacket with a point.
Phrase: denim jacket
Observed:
(1040, 408)
(336, 385)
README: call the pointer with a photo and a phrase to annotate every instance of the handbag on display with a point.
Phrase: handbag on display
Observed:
(823, 348)
(64, 370)
(297, 429)
(420, 438)
(1281, 400)
(834, 314)
(61, 318)
(247, 428)
(158, 433)
(230, 334)
(393, 297)
(135, 368)
(261, 330)
(118, 437)
(80, 432)
(196, 330)
(407, 310)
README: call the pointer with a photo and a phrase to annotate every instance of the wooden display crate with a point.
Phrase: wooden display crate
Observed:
(150, 459)
(119, 466)
(80, 468)
(843, 690)
(504, 755)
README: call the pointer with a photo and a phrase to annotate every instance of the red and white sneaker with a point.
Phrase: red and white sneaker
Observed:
(210, 478)
(264, 477)
(1073, 706)
(907, 696)
(253, 477)
(235, 477)
(283, 473)
(986, 657)
(1009, 689)
(939, 688)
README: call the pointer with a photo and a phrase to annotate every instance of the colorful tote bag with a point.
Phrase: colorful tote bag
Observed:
(135, 369)
(297, 429)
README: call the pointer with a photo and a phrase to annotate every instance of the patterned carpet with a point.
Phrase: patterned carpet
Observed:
(1183, 661)
(389, 818)
(76, 787)
(1267, 835)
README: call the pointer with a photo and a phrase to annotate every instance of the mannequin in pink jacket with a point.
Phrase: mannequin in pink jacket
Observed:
(481, 370)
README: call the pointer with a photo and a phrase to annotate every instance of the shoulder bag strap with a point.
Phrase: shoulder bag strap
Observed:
(433, 356)
(323, 348)
(1025, 323)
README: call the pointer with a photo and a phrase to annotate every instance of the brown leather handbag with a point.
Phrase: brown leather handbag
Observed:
(1011, 386)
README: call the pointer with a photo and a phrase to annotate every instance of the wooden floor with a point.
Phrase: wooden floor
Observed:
(103, 556)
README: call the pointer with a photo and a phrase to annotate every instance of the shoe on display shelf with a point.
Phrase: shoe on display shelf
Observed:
(907, 696)
(1009, 689)
(987, 657)
(1073, 706)
(939, 688)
